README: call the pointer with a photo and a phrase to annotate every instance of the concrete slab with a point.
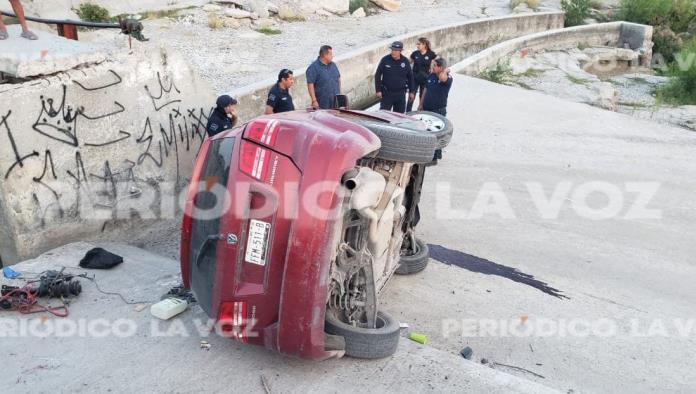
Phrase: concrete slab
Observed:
(50, 54)
(153, 361)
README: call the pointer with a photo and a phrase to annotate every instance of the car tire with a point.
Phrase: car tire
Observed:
(437, 124)
(415, 263)
(403, 143)
(369, 343)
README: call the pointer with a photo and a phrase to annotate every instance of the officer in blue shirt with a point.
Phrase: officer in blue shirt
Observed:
(437, 88)
(324, 80)
(393, 78)
(279, 98)
(224, 117)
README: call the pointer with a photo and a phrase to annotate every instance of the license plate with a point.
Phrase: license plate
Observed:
(257, 243)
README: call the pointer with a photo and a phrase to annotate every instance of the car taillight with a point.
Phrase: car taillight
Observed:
(254, 160)
(233, 320)
(263, 131)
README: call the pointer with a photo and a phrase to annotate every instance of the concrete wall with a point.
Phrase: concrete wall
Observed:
(614, 34)
(454, 42)
(63, 8)
(86, 148)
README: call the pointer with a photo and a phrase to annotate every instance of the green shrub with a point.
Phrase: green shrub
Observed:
(269, 31)
(677, 14)
(355, 4)
(92, 13)
(500, 73)
(667, 43)
(576, 11)
(681, 90)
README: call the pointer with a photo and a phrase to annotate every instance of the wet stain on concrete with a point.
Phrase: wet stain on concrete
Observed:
(483, 266)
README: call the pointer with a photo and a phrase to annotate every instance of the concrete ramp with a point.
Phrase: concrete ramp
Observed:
(50, 54)
(167, 355)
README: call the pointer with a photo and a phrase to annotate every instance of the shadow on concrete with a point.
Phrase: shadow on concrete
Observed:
(483, 266)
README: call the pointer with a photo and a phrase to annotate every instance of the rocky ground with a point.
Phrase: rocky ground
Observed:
(567, 74)
(235, 54)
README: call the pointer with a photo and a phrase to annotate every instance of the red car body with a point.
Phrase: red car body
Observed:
(281, 303)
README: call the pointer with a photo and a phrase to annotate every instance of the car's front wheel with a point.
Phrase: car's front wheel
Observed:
(416, 260)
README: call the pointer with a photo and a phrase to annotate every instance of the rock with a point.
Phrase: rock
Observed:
(338, 7)
(259, 7)
(467, 352)
(212, 8)
(607, 54)
(236, 13)
(389, 5)
(590, 21)
(231, 23)
(359, 13)
(272, 8)
(608, 96)
(323, 13)
(521, 9)
(291, 12)
(264, 23)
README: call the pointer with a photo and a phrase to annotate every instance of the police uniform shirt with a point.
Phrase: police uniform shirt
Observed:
(436, 93)
(280, 100)
(421, 65)
(394, 75)
(218, 122)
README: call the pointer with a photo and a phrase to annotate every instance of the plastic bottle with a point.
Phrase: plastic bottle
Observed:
(168, 308)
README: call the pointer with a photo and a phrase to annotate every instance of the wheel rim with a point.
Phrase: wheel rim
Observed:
(433, 123)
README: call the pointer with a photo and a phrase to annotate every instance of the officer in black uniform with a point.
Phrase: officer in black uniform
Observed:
(393, 78)
(279, 98)
(224, 117)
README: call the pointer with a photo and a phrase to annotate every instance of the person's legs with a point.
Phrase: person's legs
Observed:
(19, 11)
(386, 102)
(399, 102)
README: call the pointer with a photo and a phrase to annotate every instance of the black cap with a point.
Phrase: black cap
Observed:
(397, 45)
(225, 100)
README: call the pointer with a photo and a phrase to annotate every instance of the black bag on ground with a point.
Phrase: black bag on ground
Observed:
(99, 258)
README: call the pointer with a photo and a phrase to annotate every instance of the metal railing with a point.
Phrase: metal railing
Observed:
(68, 28)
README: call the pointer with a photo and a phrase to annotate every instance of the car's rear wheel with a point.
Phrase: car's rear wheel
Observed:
(416, 262)
(404, 144)
(369, 343)
(436, 124)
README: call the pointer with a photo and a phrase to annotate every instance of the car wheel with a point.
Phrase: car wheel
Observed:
(411, 264)
(403, 143)
(437, 124)
(368, 343)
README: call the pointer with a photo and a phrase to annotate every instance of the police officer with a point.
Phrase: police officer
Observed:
(437, 89)
(393, 78)
(421, 59)
(279, 98)
(224, 117)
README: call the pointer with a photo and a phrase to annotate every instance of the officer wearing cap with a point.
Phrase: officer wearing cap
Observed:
(279, 98)
(224, 117)
(393, 78)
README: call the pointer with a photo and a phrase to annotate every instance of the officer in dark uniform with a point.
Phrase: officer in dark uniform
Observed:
(393, 78)
(437, 88)
(421, 59)
(279, 98)
(224, 117)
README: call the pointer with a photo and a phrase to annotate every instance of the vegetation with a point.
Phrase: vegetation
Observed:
(576, 80)
(269, 31)
(355, 4)
(681, 90)
(576, 11)
(214, 21)
(675, 14)
(533, 4)
(500, 73)
(92, 13)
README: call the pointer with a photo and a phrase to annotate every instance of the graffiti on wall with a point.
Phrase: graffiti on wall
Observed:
(100, 167)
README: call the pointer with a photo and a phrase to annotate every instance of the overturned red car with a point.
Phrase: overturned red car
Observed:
(295, 222)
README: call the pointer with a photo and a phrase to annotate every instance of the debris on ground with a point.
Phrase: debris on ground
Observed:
(139, 307)
(484, 361)
(205, 345)
(520, 369)
(420, 338)
(166, 309)
(467, 352)
(9, 273)
(264, 383)
(100, 259)
(403, 325)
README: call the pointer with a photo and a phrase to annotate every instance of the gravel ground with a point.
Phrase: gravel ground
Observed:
(230, 58)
